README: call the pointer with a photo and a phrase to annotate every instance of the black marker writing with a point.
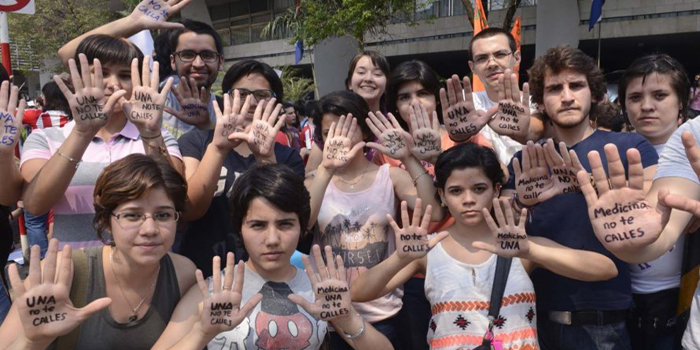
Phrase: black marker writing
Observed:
(619, 209)
(394, 142)
(45, 305)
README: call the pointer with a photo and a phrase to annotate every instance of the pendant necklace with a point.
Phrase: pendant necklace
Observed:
(352, 184)
(134, 310)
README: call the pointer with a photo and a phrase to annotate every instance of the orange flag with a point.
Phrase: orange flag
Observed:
(480, 23)
(516, 34)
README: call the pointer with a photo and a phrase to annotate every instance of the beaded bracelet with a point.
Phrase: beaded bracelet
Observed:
(70, 159)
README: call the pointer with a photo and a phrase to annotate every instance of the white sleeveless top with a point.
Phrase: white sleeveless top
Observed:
(355, 225)
(460, 295)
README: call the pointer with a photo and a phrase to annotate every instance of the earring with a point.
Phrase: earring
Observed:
(443, 205)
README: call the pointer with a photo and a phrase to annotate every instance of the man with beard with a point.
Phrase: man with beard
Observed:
(566, 84)
(196, 58)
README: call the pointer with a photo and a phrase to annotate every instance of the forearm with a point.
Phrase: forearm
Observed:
(317, 190)
(194, 340)
(375, 282)
(424, 187)
(370, 338)
(51, 182)
(11, 185)
(121, 28)
(577, 264)
(667, 239)
(202, 185)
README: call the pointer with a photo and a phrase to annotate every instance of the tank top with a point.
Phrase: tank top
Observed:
(460, 295)
(100, 331)
(355, 225)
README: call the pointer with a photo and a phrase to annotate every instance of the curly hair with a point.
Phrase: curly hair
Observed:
(559, 59)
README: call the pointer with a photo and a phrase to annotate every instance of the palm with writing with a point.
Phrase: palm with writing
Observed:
(145, 108)
(44, 307)
(532, 181)
(426, 135)
(622, 219)
(510, 238)
(394, 139)
(462, 120)
(154, 14)
(229, 121)
(513, 117)
(412, 241)
(10, 117)
(221, 310)
(261, 133)
(330, 286)
(193, 101)
(338, 149)
(90, 106)
(563, 166)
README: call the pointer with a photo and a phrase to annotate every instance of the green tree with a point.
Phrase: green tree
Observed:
(320, 19)
(295, 86)
(55, 23)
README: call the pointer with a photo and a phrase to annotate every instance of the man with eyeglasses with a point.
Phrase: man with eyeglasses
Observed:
(493, 52)
(196, 56)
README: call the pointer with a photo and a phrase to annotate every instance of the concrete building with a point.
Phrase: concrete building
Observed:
(630, 28)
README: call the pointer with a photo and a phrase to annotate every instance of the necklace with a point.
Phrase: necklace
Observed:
(134, 310)
(352, 184)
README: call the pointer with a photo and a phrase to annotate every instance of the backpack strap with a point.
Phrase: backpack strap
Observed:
(78, 294)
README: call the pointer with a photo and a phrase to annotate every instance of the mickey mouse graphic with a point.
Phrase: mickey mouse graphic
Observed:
(280, 325)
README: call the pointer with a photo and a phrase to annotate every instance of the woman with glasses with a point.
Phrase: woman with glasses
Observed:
(246, 127)
(131, 285)
(116, 112)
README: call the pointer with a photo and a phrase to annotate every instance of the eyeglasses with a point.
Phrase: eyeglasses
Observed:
(188, 56)
(259, 95)
(481, 60)
(130, 221)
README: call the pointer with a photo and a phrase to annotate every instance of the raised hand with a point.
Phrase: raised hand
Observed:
(329, 284)
(394, 139)
(513, 117)
(145, 108)
(154, 14)
(222, 309)
(681, 202)
(412, 240)
(193, 101)
(532, 181)
(338, 149)
(230, 120)
(90, 107)
(462, 120)
(45, 308)
(426, 137)
(261, 133)
(622, 218)
(563, 166)
(511, 239)
(10, 117)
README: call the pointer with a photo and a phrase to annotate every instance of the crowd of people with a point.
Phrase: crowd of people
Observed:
(427, 215)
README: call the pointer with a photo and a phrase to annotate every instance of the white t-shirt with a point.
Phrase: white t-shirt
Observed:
(504, 146)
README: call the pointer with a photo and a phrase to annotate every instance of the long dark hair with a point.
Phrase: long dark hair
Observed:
(411, 71)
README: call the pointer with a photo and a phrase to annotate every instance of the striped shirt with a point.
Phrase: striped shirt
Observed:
(74, 212)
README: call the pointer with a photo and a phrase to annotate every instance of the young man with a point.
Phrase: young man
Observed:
(566, 84)
(213, 162)
(197, 57)
(493, 52)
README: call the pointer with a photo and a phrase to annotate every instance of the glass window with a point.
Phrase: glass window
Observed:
(258, 6)
(261, 18)
(255, 33)
(239, 8)
(218, 12)
(240, 36)
(225, 37)
(283, 4)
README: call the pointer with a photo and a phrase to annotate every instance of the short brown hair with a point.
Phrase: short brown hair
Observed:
(131, 178)
(559, 59)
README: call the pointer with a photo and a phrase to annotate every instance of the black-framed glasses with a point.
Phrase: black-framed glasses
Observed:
(188, 56)
(132, 220)
(259, 95)
(481, 60)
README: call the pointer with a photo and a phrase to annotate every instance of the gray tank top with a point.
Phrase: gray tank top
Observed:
(100, 331)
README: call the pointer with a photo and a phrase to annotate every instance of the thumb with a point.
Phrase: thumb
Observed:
(439, 237)
(378, 146)
(250, 304)
(485, 246)
(95, 306)
(241, 136)
(176, 113)
(301, 301)
(109, 106)
(358, 147)
(168, 25)
(409, 139)
(662, 207)
(490, 114)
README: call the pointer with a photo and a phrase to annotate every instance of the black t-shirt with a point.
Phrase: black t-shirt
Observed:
(564, 219)
(208, 236)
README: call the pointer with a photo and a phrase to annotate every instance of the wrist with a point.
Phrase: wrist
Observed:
(351, 324)
(218, 150)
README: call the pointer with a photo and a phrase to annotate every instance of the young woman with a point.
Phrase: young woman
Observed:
(116, 112)
(350, 195)
(269, 209)
(469, 181)
(367, 77)
(132, 284)
(289, 135)
(654, 95)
